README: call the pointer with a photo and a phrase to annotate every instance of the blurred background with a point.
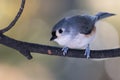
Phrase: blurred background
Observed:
(35, 25)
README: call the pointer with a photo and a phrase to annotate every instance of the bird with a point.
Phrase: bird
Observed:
(76, 32)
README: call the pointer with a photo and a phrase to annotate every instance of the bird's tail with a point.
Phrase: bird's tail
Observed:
(102, 15)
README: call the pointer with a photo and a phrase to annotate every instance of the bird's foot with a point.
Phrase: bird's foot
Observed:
(87, 51)
(65, 50)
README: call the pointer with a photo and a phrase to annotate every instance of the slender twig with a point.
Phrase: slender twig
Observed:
(26, 48)
(15, 19)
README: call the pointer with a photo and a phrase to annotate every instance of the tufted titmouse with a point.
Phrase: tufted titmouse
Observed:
(77, 31)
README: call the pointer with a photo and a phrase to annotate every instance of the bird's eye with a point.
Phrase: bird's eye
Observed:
(60, 30)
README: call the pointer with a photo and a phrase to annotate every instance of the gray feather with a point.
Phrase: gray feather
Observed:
(102, 15)
(83, 24)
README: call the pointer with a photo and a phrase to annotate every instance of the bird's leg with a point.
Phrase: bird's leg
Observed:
(65, 50)
(87, 51)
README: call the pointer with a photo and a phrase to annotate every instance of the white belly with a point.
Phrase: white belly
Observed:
(80, 41)
(77, 42)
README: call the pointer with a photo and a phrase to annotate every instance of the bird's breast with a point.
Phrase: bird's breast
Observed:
(78, 41)
(81, 40)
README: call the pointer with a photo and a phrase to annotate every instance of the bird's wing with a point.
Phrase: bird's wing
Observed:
(83, 24)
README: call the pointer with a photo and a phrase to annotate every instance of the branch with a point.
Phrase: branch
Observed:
(26, 48)
(15, 19)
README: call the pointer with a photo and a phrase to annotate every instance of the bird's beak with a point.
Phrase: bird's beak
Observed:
(52, 38)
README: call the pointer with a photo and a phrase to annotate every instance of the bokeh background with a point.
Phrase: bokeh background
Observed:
(35, 25)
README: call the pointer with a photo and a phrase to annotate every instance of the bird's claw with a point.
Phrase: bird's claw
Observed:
(65, 50)
(87, 51)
